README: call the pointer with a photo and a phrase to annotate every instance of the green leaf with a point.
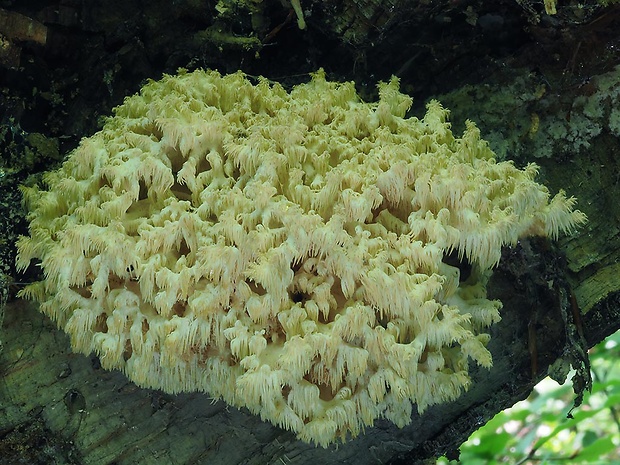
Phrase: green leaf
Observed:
(589, 437)
(612, 401)
(597, 449)
(492, 445)
(577, 417)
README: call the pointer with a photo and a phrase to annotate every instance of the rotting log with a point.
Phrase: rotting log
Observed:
(89, 415)
(16, 28)
(61, 407)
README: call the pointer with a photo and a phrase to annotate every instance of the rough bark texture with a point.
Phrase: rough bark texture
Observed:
(57, 407)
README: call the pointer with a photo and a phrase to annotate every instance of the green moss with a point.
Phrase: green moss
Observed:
(521, 118)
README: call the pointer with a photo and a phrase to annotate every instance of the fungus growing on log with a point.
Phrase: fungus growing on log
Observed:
(285, 252)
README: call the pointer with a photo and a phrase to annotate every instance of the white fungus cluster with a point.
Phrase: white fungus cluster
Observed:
(283, 251)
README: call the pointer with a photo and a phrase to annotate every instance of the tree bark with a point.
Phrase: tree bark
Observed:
(88, 415)
(59, 407)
